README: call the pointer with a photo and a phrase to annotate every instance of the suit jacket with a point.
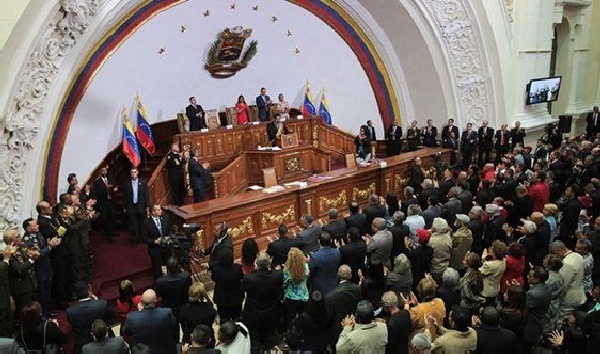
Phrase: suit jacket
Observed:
(279, 249)
(537, 300)
(173, 290)
(47, 226)
(200, 177)
(380, 248)
(499, 144)
(261, 103)
(218, 250)
(81, 315)
(372, 212)
(337, 228)
(308, 239)
(358, 220)
(228, 285)
(354, 254)
(496, 340)
(341, 302)
(4, 294)
(143, 198)
(100, 191)
(110, 345)
(21, 275)
(264, 291)
(517, 136)
(468, 140)
(323, 266)
(429, 136)
(151, 231)
(196, 117)
(486, 138)
(43, 267)
(446, 135)
(592, 127)
(155, 327)
(371, 133)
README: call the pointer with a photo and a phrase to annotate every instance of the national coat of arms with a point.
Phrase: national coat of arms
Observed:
(226, 55)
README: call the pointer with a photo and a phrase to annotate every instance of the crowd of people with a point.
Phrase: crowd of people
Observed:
(465, 258)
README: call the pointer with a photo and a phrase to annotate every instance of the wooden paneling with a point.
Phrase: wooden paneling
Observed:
(264, 211)
(231, 179)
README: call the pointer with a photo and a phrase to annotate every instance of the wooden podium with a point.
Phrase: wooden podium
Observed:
(289, 141)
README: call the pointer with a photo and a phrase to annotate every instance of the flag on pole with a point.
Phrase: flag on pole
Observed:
(143, 131)
(308, 108)
(324, 109)
(130, 144)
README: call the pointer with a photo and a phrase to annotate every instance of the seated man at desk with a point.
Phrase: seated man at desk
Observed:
(275, 129)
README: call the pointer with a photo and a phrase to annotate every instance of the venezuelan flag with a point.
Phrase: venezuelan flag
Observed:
(143, 130)
(308, 108)
(130, 145)
(324, 109)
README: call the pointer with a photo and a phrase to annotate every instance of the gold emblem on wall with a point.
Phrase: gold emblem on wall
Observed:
(292, 164)
(361, 194)
(316, 136)
(245, 227)
(289, 215)
(399, 182)
(226, 56)
(339, 201)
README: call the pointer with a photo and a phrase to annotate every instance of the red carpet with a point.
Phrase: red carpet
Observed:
(116, 260)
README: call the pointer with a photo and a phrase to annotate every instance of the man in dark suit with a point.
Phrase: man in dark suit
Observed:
(195, 115)
(485, 136)
(6, 321)
(82, 313)
(429, 133)
(153, 326)
(323, 265)
(537, 301)
(356, 218)
(371, 131)
(468, 142)
(342, 300)
(221, 247)
(336, 226)
(593, 123)
(21, 270)
(493, 339)
(101, 191)
(103, 344)
(354, 253)
(262, 309)
(43, 268)
(279, 248)
(156, 227)
(450, 138)
(173, 287)
(517, 135)
(263, 103)
(308, 238)
(200, 177)
(47, 225)
(394, 142)
(135, 201)
(176, 174)
(502, 142)
(374, 210)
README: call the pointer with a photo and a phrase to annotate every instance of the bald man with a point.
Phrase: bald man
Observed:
(151, 325)
(342, 300)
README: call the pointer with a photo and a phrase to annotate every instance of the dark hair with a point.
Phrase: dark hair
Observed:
(202, 334)
(541, 175)
(140, 348)
(325, 239)
(473, 260)
(71, 177)
(554, 262)
(499, 249)
(249, 251)
(99, 329)
(26, 223)
(229, 330)
(364, 312)
(81, 289)
(315, 308)
(461, 318)
(191, 98)
(490, 316)
(241, 98)
(540, 273)
(31, 316)
(515, 296)
(516, 250)
(173, 265)
(353, 206)
(309, 219)
(282, 230)
(354, 233)
(65, 198)
(392, 202)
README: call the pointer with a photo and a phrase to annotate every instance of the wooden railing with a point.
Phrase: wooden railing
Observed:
(158, 184)
(233, 178)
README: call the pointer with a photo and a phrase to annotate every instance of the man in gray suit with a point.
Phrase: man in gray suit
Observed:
(538, 299)
(103, 344)
(379, 248)
(308, 238)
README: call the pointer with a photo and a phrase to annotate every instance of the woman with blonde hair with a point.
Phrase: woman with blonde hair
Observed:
(295, 290)
(199, 310)
(550, 211)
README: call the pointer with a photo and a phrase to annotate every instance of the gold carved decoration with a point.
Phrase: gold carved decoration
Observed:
(289, 214)
(387, 184)
(308, 203)
(358, 194)
(316, 136)
(339, 201)
(245, 226)
(399, 182)
(292, 164)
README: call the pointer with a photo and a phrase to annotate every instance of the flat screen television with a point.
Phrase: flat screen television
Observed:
(543, 90)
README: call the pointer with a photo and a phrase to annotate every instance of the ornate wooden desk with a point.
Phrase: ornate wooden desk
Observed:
(256, 214)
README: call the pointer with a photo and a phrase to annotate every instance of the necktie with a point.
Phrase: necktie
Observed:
(158, 225)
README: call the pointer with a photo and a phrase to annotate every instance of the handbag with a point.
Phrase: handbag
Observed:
(46, 348)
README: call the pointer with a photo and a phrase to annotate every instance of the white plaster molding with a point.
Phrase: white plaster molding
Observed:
(509, 9)
(472, 77)
(21, 118)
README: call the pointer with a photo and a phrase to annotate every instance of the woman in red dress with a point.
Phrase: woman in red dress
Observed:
(241, 109)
